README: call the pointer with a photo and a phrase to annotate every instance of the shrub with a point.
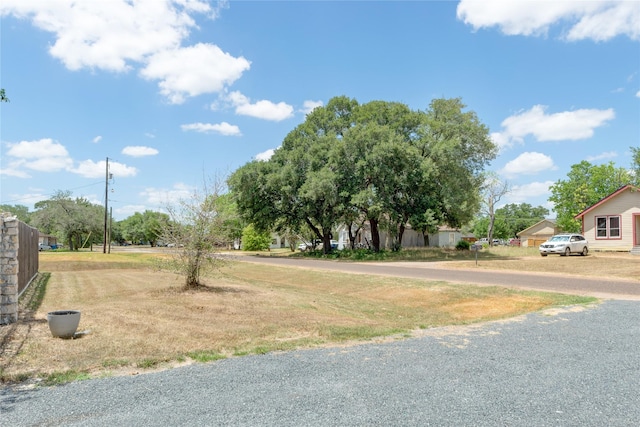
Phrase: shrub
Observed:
(254, 240)
(463, 245)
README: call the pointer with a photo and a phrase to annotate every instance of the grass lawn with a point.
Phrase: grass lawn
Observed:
(137, 318)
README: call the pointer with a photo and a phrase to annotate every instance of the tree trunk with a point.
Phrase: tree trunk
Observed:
(326, 242)
(375, 234)
(398, 245)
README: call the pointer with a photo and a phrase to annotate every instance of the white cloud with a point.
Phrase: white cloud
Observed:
(567, 125)
(163, 197)
(37, 149)
(602, 156)
(91, 169)
(263, 109)
(599, 20)
(96, 139)
(529, 163)
(192, 71)
(46, 155)
(139, 151)
(309, 106)
(502, 140)
(14, 171)
(118, 35)
(525, 193)
(43, 155)
(108, 34)
(265, 155)
(223, 128)
(638, 94)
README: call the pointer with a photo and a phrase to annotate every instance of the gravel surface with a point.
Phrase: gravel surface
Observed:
(573, 367)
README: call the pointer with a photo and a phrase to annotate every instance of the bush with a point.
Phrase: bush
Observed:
(253, 240)
(463, 245)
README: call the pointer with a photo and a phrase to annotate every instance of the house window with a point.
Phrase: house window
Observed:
(607, 227)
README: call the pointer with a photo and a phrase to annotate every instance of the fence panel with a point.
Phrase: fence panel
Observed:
(27, 255)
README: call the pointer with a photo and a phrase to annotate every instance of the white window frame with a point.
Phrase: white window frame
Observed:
(610, 233)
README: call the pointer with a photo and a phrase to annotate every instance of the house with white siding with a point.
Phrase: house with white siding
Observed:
(445, 237)
(613, 224)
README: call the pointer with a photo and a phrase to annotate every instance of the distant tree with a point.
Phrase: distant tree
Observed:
(20, 211)
(144, 227)
(492, 192)
(232, 222)
(115, 232)
(255, 240)
(517, 217)
(75, 220)
(635, 165)
(500, 228)
(3, 96)
(586, 184)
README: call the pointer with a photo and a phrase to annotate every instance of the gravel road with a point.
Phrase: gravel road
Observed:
(572, 367)
(578, 366)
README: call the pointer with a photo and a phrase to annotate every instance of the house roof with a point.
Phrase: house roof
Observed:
(606, 199)
(447, 228)
(551, 222)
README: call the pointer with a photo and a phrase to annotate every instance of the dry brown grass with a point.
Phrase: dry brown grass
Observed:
(621, 265)
(137, 317)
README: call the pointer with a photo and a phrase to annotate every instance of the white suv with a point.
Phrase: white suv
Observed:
(565, 244)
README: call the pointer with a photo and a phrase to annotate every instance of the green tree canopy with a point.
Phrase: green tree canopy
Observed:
(20, 211)
(585, 185)
(75, 220)
(144, 227)
(255, 240)
(378, 162)
(635, 165)
(510, 220)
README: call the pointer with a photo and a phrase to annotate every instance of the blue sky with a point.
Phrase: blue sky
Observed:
(175, 92)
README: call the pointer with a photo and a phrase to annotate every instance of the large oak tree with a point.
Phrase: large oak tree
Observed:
(379, 162)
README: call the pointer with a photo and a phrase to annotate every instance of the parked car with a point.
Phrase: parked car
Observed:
(565, 244)
(514, 242)
(43, 247)
(305, 246)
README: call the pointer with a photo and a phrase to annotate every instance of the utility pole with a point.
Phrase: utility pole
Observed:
(106, 203)
(110, 227)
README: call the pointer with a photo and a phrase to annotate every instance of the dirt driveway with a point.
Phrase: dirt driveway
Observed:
(552, 282)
